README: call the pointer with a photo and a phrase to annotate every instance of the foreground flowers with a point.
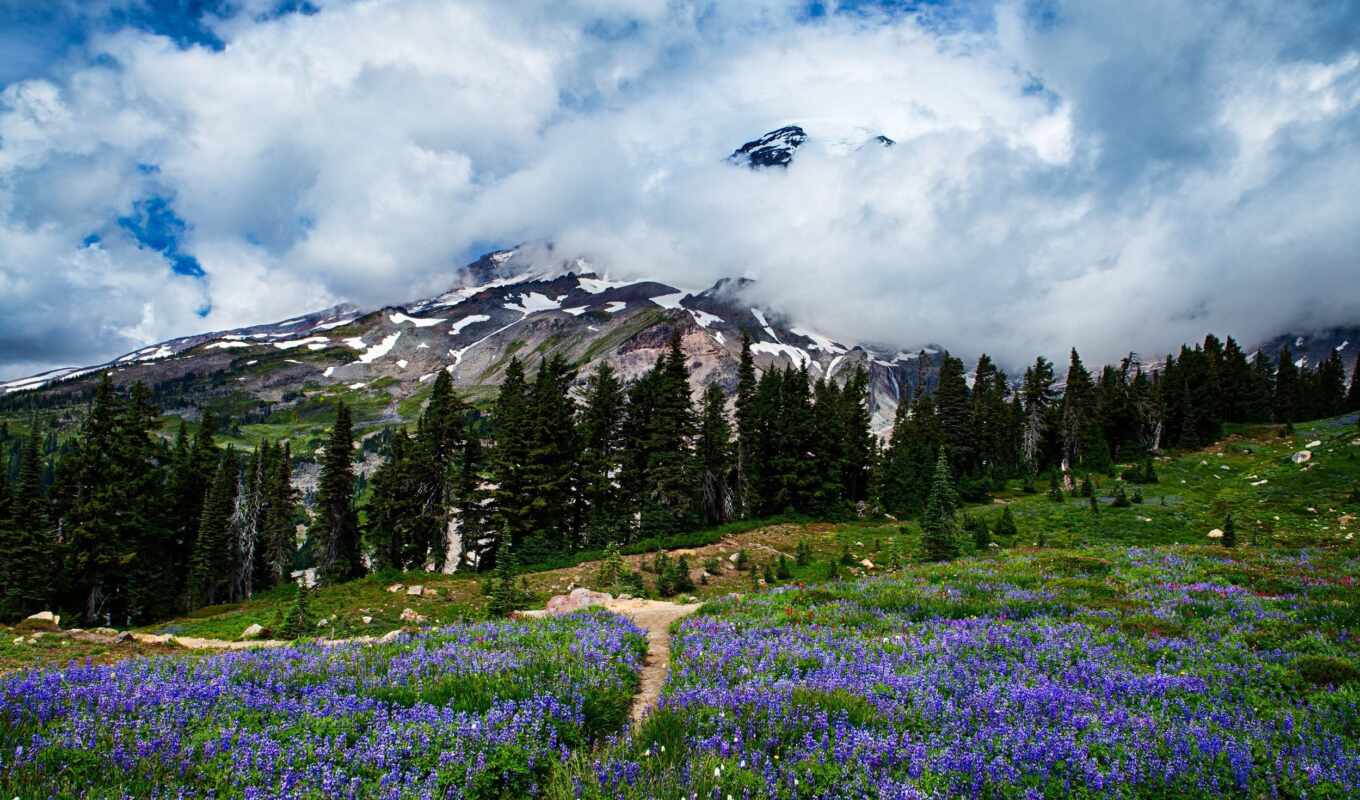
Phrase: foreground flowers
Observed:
(1151, 674)
(471, 711)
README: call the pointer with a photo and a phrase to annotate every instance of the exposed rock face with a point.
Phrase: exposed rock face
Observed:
(509, 305)
(774, 149)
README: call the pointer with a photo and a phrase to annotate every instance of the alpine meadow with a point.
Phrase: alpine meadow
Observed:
(679, 400)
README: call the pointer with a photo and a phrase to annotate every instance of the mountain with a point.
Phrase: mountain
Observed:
(508, 303)
(778, 147)
(1312, 348)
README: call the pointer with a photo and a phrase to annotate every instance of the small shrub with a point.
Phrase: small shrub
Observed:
(782, 570)
(1006, 525)
(846, 559)
(1121, 498)
(803, 555)
(1326, 670)
(1137, 496)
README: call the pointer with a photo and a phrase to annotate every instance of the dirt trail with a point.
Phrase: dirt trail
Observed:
(655, 617)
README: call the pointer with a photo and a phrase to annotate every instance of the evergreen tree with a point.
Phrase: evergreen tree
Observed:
(715, 457)
(212, 573)
(298, 621)
(601, 428)
(1286, 388)
(747, 431)
(858, 448)
(28, 550)
(280, 524)
(505, 597)
(938, 523)
(1039, 396)
(1005, 527)
(551, 469)
(395, 507)
(953, 411)
(510, 421)
(335, 530)
(1229, 532)
(473, 519)
(431, 477)
(1330, 397)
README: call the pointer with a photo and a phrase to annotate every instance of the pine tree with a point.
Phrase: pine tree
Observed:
(938, 523)
(1039, 395)
(430, 476)
(280, 525)
(1078, 414)
(335, 530)
(1055, 492)
(858, 448)
(298, 621)
(1005, 527)
(747, 431)
(802, 556)
(395, 507)
(212, 572)
(1330, 396)
(952, 408)
(510, 421)
(550, 471)
(505, 597)
(1229, 532)
(473, 519)
(601, 428)
(28, 552)
(1286, 388)
(714, 457)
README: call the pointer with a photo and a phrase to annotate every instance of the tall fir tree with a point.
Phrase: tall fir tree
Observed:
(1286, 402)
(952, 407)
(857, 428)
(715, 457)
(551, 468)
(747, 431)
(280, 524)
(510, 425)
(938, 525)
(1039, 397)
(601, 432)
(213, 571)
(335, 529)
(29, 549)
(1330, 397)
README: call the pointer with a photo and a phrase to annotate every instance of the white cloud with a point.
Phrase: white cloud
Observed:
(1105, 178)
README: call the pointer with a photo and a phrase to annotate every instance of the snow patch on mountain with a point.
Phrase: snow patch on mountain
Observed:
(420, 322)
(598, 285)
(289, 345)
(326, 326)
(615, 306)
(704, 318)
(820, 342)
(760, 317)
(457, 327)
(669, 300)
(790, 352)
(380, 349)
(534, 301)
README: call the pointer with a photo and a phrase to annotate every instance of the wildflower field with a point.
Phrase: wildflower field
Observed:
(1187, 672)
(472, 711)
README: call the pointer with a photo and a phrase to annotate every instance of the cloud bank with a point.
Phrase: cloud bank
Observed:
(1086, 172)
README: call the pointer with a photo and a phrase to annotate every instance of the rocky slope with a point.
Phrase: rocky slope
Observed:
(505, 304)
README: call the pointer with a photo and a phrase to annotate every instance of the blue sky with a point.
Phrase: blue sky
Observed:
(1067, 171)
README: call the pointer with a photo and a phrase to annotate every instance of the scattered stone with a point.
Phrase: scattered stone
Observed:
(1301, 457)
(106, 631)
(321, 623)
(123, 636)
(431, 593)
(1216, 534)
(625, 597)
(576, 600)
(733, 558)
(1261, 482)
(1314, 443)
(866, 563)
(1224, 467)
(396, 587)
(255, 631)
(44, 617)
(410, 615)
(415, 591)
(18, 640)
(367, 620)
(390, 636)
